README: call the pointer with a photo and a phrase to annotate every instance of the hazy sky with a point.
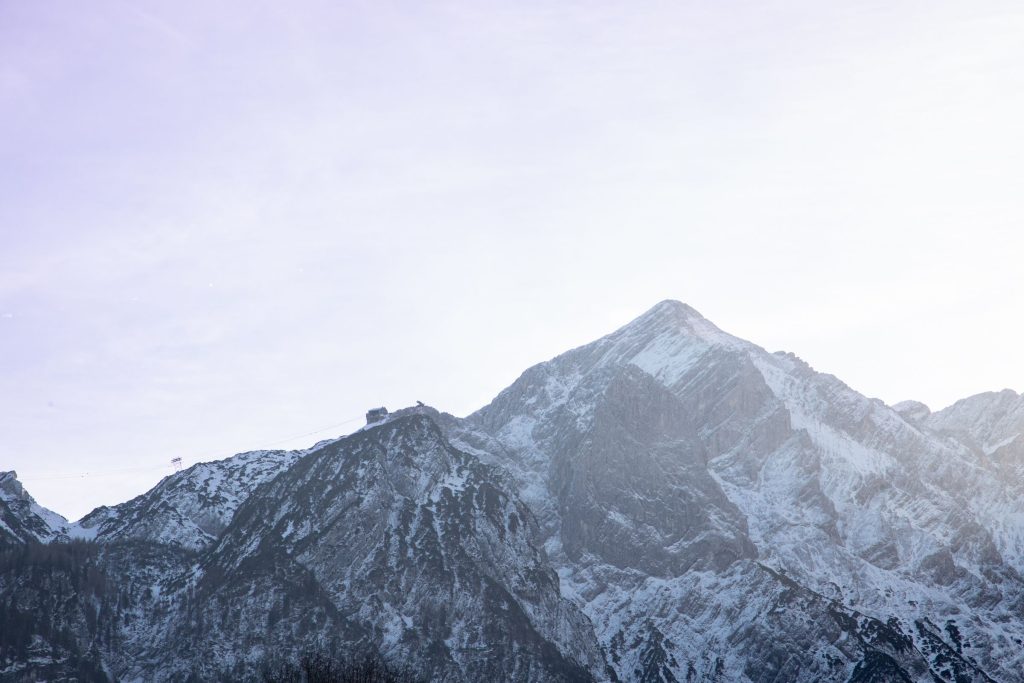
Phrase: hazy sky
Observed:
(227, 223)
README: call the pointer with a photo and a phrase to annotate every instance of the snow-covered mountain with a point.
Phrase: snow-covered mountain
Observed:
(427, 554)
(22, 519)
(667, 503)
(390, 540)
(188, 509)
(991, 426)
(671, 464)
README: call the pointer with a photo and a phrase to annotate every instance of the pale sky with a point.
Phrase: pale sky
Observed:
(226, 224)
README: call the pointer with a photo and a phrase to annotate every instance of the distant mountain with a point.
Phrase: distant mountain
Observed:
(991, 426)
(667, 503)
(188, 509)
(22, 519)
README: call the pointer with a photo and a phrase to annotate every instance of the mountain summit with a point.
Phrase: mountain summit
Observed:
(666, 503)
(669, 310)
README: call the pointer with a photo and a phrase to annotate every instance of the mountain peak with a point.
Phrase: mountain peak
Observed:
(9, 483)
(674, 319)
(671, 308)
(21, 518)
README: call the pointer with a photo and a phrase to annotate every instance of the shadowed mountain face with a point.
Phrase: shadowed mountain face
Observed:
(668, 503)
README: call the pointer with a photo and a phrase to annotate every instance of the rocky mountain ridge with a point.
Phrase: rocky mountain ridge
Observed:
(667, 503)
(22, 519)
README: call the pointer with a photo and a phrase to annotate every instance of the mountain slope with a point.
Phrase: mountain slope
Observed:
(792, 469)
(188, 509)
(991, 426)
(388, 541)
(426, 550)
(22, 519)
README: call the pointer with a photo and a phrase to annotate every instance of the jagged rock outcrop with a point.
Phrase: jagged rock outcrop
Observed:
(23, 520)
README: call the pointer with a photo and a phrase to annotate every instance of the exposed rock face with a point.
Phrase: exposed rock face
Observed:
(668, 503)
(22, 519)
(913, 411)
